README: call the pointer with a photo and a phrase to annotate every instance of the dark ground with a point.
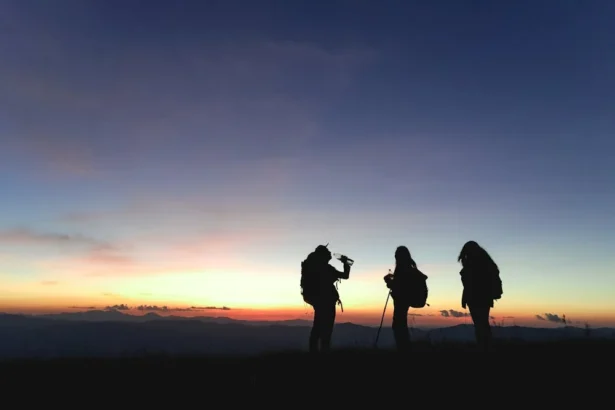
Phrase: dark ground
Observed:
(556, 371)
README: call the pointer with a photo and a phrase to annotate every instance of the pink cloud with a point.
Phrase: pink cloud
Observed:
(156, 255)
(28, 237)
(67, 159)
(89, 250)
(109, 257)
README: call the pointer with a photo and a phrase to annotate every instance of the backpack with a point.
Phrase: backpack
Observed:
(309, 281)
(417, 290)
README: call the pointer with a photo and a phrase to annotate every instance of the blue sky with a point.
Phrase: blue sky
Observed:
(266, 128)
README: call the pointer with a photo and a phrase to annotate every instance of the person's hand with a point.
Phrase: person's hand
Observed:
(388, 278)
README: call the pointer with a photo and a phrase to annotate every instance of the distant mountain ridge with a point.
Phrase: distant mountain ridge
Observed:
(113, 333)
(116, 315)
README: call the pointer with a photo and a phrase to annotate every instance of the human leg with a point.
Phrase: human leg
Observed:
(400, 327)
(327, 324)
(482, 328)
(316, 330)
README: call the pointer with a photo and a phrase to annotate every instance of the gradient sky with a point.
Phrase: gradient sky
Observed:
(192, 153)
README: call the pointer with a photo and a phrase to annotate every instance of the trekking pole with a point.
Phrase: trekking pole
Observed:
(382, 320)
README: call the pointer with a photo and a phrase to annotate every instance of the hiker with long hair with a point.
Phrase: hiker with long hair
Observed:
(318, 280)
(402, 283)
(480, 277)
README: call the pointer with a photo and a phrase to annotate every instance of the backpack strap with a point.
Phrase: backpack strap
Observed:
(339, 300)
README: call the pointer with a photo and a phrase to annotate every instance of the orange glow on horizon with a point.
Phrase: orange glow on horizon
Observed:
(428, 317)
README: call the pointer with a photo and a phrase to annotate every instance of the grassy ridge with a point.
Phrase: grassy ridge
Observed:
(291, 358)
(363, 374)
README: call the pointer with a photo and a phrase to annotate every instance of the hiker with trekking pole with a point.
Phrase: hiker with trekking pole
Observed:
(408, 288)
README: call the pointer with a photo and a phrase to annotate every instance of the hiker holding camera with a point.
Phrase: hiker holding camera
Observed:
(318, 288)
(408, 289)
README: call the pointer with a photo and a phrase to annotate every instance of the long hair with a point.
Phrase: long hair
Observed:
(403, 258)
(472, 254)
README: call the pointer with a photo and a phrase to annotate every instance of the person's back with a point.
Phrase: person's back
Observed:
(479, 278)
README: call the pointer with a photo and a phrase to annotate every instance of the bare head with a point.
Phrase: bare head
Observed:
(403, 257)
(469, 250)
(472, 253)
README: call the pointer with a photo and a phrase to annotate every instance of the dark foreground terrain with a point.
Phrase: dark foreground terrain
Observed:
(582, 366)
(113, 334)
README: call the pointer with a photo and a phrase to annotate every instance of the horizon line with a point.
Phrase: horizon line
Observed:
(555, 327)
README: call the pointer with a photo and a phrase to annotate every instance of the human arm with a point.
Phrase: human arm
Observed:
(464, 300)
(346, 268)
(388, 279)
(336, 274)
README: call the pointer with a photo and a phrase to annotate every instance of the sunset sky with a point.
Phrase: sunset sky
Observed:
(192, 153)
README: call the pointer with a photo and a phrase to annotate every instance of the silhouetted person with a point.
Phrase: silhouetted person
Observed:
(318, 279)
(481, 286)
(401, 283)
